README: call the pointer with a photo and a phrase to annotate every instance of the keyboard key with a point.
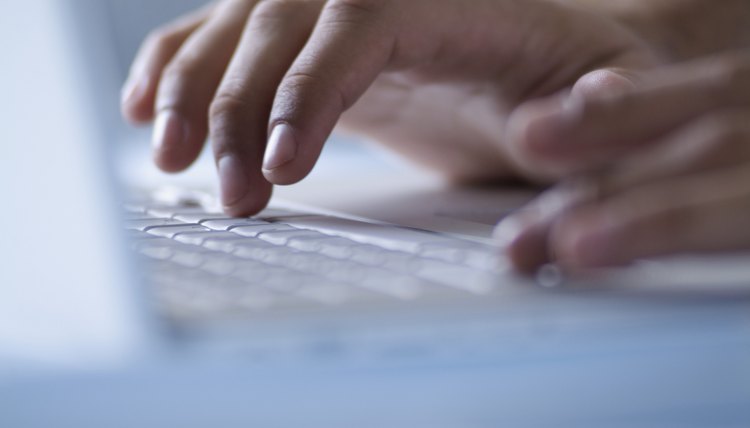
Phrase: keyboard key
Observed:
(254, 231)
(387, 282)
(252, 272)
(225, 244)
(282, 280)
(282, 237)
(389, 237)
(199, 217)
(490, 260)
(200, 238)
(218, 263)
(306, 244)
(242, 296)
(338, 248)
(369, 254)
(186, 295)
(304, 262)
(277, 213)
(339, 270)
(261, 251)
(207, 264)
(189, 256)
(229, 223)
(144, 225)
(156, 242)
(470, 254)
(458, 276)
(401, 262)
(172, 231)
(133, 235)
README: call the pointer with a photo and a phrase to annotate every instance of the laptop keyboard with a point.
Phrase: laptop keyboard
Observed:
(203, 263)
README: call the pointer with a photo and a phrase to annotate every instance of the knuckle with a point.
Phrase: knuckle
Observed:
(274, 11)
(353, 9)
(298, 85)
(182, 71)
(228, 124)
(161, 39)
(227, 106)
(174, 85)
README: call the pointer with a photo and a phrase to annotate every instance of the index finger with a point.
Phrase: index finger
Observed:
(349, 47)
(589, 132)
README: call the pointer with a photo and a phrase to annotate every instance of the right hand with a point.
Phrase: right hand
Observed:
(661, 167)
(434, 79)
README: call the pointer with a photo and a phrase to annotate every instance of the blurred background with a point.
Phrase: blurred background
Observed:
(112, 31)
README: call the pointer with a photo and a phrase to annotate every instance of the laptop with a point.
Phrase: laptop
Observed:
(141, 305)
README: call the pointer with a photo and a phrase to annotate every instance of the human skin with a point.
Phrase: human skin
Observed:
(666, 168)
(459, 86)
(435, 80)
(623, 194)
(681, 30)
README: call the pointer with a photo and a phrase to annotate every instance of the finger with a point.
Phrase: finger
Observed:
(702, 213)
(274, 35)
(524, 235)
(718, 141)
(588, 132)
(530, 119)
(139, 90)
(189, 82)
(523, 240)
(351, 44)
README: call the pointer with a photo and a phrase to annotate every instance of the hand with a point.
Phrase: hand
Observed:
(662, 166)
(433, 79)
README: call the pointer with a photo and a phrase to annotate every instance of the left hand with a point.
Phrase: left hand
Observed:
(434, 80)
(661, 166)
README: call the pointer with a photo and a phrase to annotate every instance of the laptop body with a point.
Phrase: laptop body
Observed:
(628, 354)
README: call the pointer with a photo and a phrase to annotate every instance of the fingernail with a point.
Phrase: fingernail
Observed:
(170, 130)
(281, 148)
(234, 184)
(133, 88)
